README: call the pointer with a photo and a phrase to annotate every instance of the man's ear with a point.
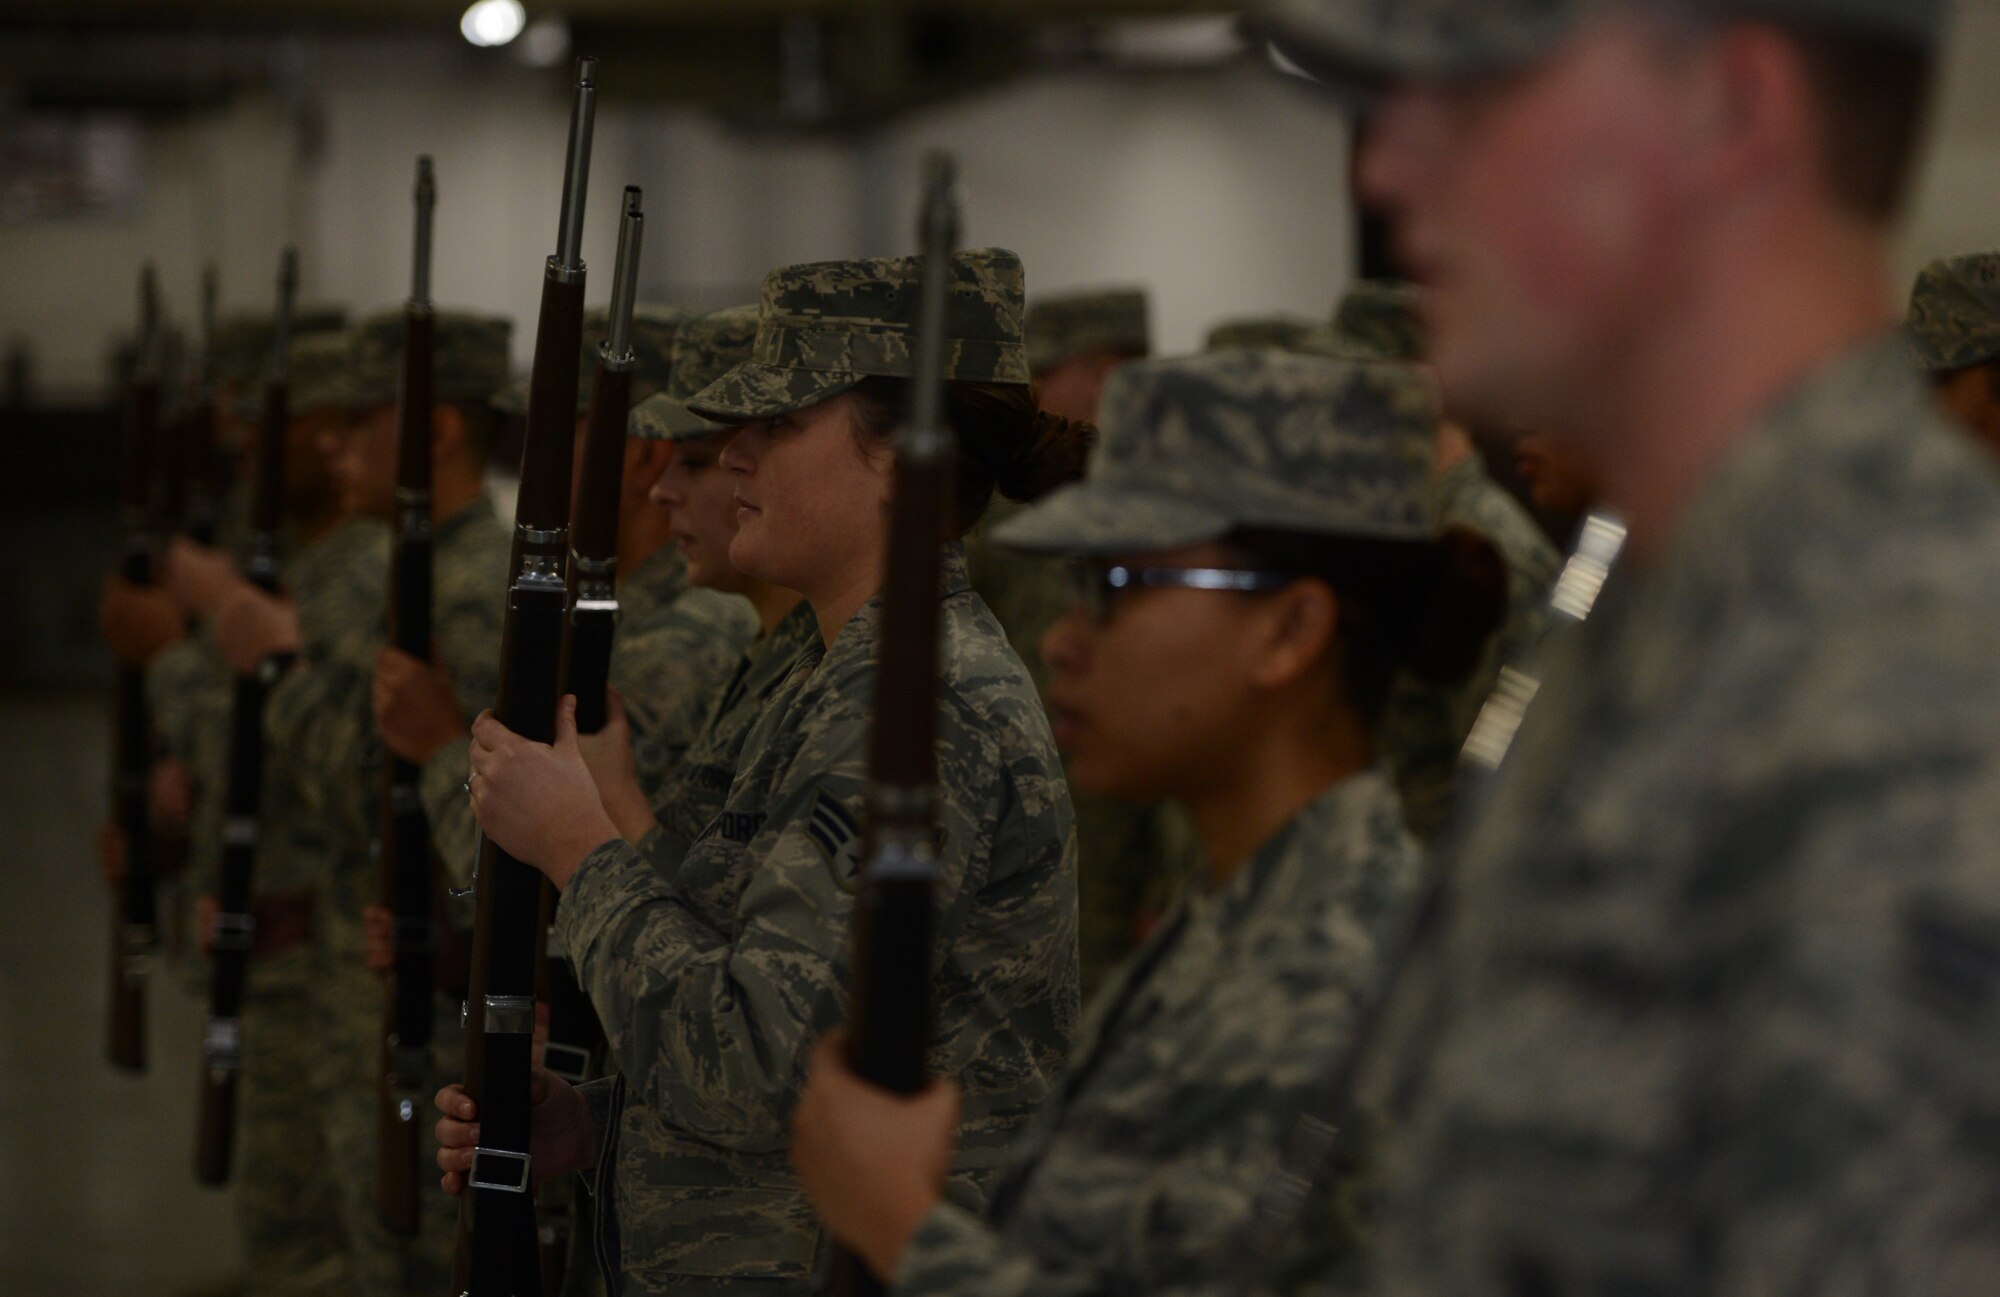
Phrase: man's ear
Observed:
(1300, 622)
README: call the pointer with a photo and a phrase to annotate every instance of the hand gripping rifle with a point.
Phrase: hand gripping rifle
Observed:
(403, 837)
(496, 1235)
(576, 1038)
(889, 1019)
(235, 929)
(136, 927)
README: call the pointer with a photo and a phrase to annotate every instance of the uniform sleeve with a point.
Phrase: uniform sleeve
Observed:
(454, 831)
(714, 1027)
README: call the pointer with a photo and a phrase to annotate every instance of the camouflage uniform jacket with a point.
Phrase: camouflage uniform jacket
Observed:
(1424, 726)
(1714, 1002)
(324, 708)
(293, 853)
(697, 785)
(1145, 1167)
(715, 979)
(672, 656)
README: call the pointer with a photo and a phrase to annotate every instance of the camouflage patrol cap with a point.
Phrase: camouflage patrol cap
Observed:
(1192, 449)
(1365, 41)
(824, 326)
(707, 347)
(1377, 319)
(1095, 320)
(653, 332)
(1285, 332)
(470, 364)
(320, 377)
(1955, 312)
(242, 343)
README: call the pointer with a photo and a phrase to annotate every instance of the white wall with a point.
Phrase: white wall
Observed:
(1222, 191)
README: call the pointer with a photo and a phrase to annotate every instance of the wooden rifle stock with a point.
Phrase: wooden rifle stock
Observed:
(235, 928)
(135, 926)
(403, 838)
(889, 1019)
(575, 1046)
(497, 1243)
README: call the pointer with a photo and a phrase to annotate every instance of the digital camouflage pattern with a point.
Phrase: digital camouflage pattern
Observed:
(707, 347)
(1712, 1004)
(823, 326)
(672, 655)
(715, 979)
(1955, 313)
(1192, 449)
(324, 706)
(242, 343)
(1145, 1170)
(1285, 332)
(1378, 319)
(1094, 321)
(654, 329)
(694, 788)
(691, 795)
(1365, 41)
(469, 360)
(321, 376)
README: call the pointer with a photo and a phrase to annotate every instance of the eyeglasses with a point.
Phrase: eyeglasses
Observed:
(1095, 586)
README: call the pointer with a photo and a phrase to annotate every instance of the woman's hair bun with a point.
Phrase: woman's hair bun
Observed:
(1053, 454)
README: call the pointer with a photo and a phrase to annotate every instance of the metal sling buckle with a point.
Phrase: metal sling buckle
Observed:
(570, 1062)
(491, 1159)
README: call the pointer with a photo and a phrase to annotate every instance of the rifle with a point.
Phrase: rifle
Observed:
(574, 1033)
(199, 504)
(235, 928)
(403, 837)
(136, 926)
(497, 1253)
(575, 1044)
(889, 1016)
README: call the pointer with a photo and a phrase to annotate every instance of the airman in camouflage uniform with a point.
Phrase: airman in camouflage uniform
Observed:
(285, 1190)
(1954, 327)
(322, 712)
(714, 978)
(1147, 1167)
(685, 790)
(1131, 860)
(695, 782)
(1710, 1002)
(1426, 725)
(674, 646)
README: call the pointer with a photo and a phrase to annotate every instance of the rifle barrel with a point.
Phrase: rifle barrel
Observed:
(403, 840)
(890, 1013)
(498, 1252)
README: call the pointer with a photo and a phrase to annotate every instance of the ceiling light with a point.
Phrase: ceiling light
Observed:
(493, 22)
